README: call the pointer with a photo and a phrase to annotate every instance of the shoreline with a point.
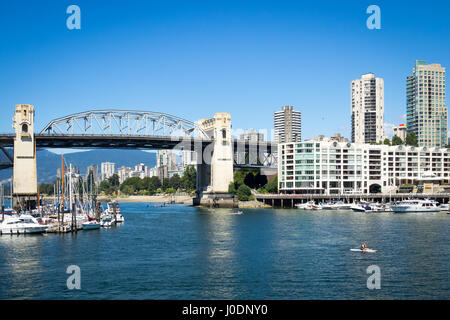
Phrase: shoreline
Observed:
(179, 199)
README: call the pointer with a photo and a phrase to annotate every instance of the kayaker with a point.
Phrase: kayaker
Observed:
(363, 246)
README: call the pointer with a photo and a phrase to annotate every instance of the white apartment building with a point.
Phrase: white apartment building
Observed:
(124, 173)
(400, 132)
(188, 158)
(107, 170)
(287, 125)
(367, 107)
(142, 169)
(166, 158)
(338, 168)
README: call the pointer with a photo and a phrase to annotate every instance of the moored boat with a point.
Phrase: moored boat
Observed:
(24, 224)
(415, 206)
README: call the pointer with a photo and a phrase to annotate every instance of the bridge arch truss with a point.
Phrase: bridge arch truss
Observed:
(121, 122)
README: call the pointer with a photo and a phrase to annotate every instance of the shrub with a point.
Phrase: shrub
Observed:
(244, 193)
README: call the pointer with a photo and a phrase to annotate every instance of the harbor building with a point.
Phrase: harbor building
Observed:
(107, 170)
(367, 107)
(347, 168)
(400, 131)
(426, 113)
(287, 125)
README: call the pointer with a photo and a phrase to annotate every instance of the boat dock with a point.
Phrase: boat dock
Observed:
(290, 200)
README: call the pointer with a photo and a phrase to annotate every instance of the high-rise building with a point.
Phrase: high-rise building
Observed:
(108, 169)
(400, 131)
(142, 169)
(367, 106)
(426, 113)
(166, 158)
(287, 125)
(123, 173)
(252, 136)
(188, 158)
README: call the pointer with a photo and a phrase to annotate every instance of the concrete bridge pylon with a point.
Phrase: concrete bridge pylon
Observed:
(24, 171)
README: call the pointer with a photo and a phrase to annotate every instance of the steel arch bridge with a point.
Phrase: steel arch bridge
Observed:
(123, 122)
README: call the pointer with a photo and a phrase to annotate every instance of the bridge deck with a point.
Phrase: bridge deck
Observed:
(128, 142)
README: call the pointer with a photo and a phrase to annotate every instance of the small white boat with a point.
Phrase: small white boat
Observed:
(415, 206)
(310, 205)
(21, 225)
(106, 221)
(444, 207)
(119, 218)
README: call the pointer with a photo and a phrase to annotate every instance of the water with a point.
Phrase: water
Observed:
(181, 252)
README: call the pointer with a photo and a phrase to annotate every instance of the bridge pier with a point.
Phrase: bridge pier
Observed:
(215, 165)
(24, 170)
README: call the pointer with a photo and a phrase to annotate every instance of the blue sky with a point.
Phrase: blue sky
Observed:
(194, 58)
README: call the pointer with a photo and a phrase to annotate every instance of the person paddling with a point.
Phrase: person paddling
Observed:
(363, 246)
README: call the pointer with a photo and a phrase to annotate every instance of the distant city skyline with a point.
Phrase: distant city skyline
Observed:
(192, 60)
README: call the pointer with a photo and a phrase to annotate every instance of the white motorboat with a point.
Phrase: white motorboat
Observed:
(336, 206)
(310, 205)
(415, 206)
(444, 207)
(370, 207)
(106, 221)
(119, 218)
(21, 225)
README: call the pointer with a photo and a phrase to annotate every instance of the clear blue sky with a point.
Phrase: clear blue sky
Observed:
(194, 58)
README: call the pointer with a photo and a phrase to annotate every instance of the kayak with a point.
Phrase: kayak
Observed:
(367, 250)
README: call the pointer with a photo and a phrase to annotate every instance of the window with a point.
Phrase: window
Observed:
(24, 128)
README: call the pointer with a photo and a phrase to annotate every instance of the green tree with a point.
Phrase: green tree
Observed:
(396, 141)
(232, 188)
(46, 188)
(114, 180)
(175, 182)
(244, 193)
(387, 142)
(104, 186)
(135, 182)
(170, 190)
(411, 139)
(127, 189)
(154, 184)
(189, 178)
(272, 186)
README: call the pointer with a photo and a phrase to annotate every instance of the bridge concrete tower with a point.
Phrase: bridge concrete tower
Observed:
(216, 170)
(24, 172)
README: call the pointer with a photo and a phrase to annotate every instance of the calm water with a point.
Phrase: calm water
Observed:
(181, 252)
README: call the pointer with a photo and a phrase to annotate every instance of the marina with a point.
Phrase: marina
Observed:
(218, 254)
